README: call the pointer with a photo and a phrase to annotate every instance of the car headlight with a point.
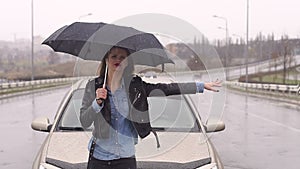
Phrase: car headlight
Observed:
(42, 167)
(209, 166)
(47, 166)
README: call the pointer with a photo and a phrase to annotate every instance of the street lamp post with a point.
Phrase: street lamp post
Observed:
(85, 15)
(226, 40)
(247, 41)
(32, 42)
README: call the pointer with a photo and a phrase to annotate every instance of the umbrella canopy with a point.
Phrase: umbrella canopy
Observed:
(91, 41)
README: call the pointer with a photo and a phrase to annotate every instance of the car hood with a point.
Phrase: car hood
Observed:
(178, 150)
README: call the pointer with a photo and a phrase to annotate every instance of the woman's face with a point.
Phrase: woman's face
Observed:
(117, 60)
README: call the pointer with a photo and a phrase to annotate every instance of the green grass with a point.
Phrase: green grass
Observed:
(275, 77)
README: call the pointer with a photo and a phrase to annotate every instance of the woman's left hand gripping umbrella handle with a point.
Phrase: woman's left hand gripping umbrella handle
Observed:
(101, 94)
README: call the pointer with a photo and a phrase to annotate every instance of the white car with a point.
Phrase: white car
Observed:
(181, 134)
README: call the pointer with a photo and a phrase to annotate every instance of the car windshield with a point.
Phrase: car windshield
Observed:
(170, 113)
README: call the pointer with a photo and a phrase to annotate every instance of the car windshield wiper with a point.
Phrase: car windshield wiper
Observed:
(71, 128)
(158, 129)
(162, 129)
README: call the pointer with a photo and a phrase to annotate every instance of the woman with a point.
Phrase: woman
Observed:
(119, 110)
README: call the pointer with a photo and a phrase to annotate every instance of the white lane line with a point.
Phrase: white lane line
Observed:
(276, 123)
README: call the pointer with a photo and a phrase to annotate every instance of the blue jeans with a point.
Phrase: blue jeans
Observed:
(123, 163)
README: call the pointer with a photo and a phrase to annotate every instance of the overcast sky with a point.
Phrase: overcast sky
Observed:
(266, 16)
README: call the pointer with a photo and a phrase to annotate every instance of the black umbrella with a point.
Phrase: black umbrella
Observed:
(90, 41)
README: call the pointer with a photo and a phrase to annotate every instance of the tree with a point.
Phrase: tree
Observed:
(53, 58)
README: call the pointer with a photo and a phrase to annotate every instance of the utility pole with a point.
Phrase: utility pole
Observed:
(226, 42)
(32, 42)
(247, 45)
(85, 15)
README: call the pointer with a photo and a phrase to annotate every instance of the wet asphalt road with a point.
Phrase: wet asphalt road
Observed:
(19, 143)
(259, 133)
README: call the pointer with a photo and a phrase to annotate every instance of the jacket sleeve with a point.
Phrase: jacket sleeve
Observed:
(169, 88)
(87, 113)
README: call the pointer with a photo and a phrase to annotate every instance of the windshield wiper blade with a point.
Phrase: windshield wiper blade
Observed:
(158, 129)
(71, 128)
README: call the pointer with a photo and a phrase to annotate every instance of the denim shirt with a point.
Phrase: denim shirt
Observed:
(122, 136)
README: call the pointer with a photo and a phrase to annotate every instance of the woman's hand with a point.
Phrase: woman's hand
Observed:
(101, 94)
(210, 85)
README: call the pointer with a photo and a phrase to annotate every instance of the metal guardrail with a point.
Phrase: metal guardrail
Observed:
(8, 90)
(292, 89)
(21, 84)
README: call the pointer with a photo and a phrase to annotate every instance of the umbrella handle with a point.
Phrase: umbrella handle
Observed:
(104, 82)
(105, 76)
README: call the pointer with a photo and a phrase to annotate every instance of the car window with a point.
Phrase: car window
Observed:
(70, 118)
(166, 113)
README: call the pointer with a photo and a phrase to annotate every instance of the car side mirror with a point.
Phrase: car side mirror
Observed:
(41, 124)
(214, 126)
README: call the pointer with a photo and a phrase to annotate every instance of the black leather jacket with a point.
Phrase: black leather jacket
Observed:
(138, 91)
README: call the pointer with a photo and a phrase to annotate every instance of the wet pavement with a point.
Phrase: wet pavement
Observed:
(19, 143)
(259, 133)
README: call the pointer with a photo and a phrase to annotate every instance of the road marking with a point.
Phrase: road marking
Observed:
(275, 122)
